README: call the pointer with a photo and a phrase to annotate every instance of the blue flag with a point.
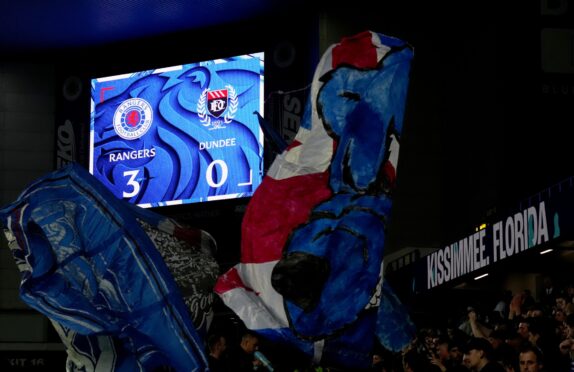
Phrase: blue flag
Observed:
(87, 264)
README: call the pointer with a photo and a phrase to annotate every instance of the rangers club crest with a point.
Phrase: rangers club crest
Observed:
(133, 118)
(214, 103)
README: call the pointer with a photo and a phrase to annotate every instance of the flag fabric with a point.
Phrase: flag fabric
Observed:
(313, 233)
(90, 263)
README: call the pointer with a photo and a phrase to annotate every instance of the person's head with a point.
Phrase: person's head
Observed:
(429, 336)
(466, 361)
(216, 344)
(530, 359)
(524, 329)
(454, 351)
(377, 359)
(497, 338)
(415, 362)
(561, 302)
(559, 315)
(509, 364)
(535, 311)
(569, 323)
(537, 330)
(478, 352)
(249, 342)
(442, 349)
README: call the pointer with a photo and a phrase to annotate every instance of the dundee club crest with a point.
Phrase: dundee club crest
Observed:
(217, 102)
(214, 104)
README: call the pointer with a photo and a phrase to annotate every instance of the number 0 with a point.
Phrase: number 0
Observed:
(209, 177)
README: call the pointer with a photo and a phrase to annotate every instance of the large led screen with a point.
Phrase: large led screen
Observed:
(180, 134)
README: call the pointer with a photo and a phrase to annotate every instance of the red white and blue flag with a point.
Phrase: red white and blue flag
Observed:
(312, 204)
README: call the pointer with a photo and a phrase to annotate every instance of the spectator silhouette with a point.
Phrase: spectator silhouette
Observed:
(479, 356)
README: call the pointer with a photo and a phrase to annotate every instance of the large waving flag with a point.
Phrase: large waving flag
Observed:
(313, 234)
(90, 263)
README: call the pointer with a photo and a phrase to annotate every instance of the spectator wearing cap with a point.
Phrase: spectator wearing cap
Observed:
(478, 356)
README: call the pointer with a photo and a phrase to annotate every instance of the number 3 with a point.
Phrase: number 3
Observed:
(133, 183)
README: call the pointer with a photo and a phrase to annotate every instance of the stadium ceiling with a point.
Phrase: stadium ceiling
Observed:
(36, 25)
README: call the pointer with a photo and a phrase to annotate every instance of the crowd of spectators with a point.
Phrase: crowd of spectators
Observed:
(519, 333)
(509, 333)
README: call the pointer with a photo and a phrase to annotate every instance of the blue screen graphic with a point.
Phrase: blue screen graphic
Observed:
(181, 134)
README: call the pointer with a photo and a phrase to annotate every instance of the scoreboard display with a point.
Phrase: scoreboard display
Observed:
(180, 134)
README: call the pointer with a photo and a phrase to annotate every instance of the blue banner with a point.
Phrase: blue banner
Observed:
(88, 265)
